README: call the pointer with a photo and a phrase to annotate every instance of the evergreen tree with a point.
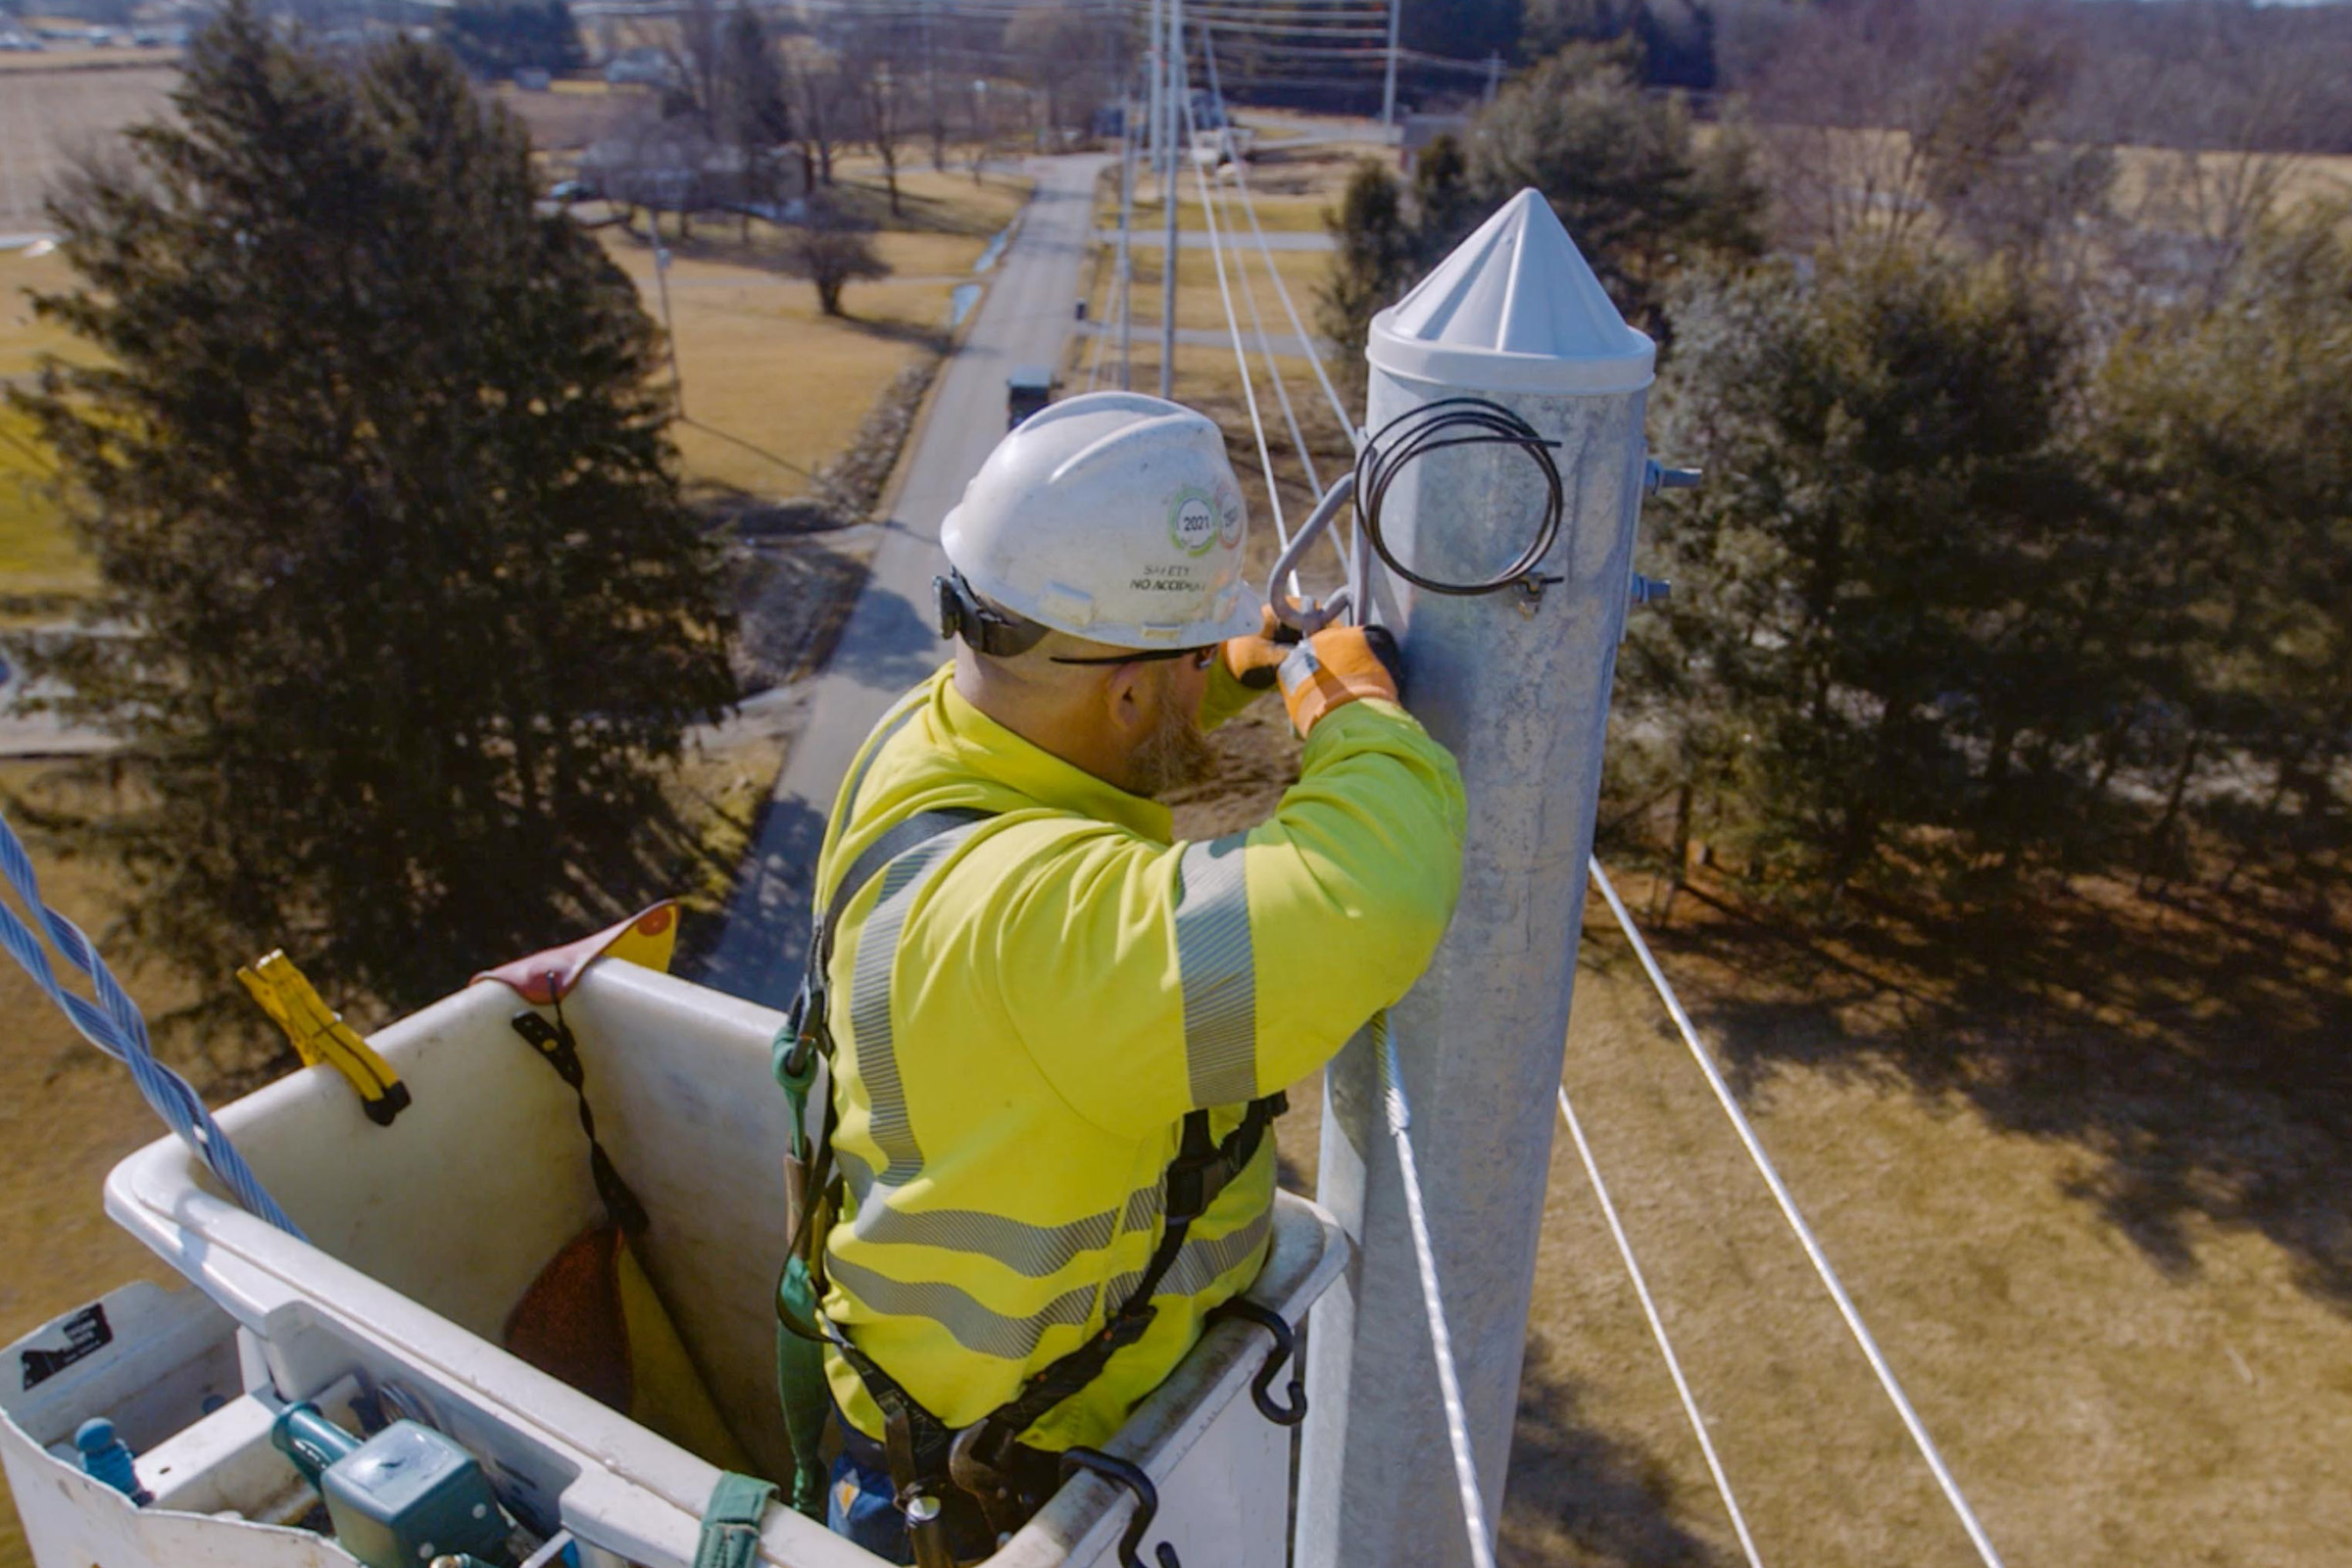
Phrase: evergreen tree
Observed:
(408, 613)
(1374, 264)
(1619, 168)
(1879, 621)
(2221, 434)
(753, 116)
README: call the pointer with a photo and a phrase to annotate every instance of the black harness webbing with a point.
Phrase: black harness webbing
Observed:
(986, 1459)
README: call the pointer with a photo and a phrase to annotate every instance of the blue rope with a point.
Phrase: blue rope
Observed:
(113, 1026)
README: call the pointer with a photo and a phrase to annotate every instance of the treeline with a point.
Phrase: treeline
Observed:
(2026, 538)
(2159, 73)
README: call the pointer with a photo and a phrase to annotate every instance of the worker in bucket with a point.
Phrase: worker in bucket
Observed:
(1056, 1035)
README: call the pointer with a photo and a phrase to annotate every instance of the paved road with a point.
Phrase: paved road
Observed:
(1196, 240)
(891, 642)
(1209, 337)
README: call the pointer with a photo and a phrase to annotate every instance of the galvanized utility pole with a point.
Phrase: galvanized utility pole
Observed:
(1516, 684)
(1173, 54)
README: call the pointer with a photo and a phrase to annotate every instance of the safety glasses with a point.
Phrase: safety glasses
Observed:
(1199, 657)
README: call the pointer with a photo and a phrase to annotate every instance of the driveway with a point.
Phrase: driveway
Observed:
(891, 642)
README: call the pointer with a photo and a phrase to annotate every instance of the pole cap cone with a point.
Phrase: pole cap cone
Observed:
(1515, 308)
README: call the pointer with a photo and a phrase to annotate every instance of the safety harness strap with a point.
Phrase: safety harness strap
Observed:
(730, 1537)
(923, 1452)
(1199, 1171)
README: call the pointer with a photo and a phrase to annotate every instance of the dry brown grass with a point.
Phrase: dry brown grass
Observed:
(48, 115)
(773, 386)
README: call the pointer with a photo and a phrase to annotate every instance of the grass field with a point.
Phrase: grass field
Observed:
(36, 555)
(772, 386)
(47, 115)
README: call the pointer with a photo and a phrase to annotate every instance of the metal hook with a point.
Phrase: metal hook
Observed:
(1314, 614)
(1146, 1501)
(1286, 1341)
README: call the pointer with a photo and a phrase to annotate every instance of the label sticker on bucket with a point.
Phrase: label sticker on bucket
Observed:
(86, 1333)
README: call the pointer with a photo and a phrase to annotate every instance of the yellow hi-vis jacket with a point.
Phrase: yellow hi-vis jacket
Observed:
(1025, 1007)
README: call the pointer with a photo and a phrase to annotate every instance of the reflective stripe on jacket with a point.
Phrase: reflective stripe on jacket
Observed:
(1025, 1007)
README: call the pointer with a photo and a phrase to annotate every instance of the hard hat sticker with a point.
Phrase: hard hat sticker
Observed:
(1192, 521)
(1229, 533)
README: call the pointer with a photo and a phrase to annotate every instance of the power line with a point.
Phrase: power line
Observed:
(1796, 1222)
(1217, 252)
(1657, 1330)
(1282, 292)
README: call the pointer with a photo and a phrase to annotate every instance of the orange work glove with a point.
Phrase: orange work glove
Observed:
(1252, 660)
(1338, 666)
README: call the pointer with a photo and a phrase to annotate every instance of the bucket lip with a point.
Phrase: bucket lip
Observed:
(1491, 369)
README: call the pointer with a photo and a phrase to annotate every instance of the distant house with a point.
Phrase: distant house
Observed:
(1422, 129)
(642, 67)
(675, 165)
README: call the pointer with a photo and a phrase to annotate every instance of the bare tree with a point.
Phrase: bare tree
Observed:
(752, 115)
(813, 74)
(1052, 45)
(831, 247)
(873, 64)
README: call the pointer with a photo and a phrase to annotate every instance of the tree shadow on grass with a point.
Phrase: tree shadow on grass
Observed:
(2194, 1046)
(915, 333)
(1576, 1493)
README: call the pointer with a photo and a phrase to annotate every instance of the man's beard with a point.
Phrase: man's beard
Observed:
(1173, 755)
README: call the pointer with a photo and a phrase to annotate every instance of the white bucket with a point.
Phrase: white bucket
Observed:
(424, 1234)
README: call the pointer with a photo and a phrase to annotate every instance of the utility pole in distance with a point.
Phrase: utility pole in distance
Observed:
(1158, 78)
(1129, 109)
(1172, 51)
(1516, 684)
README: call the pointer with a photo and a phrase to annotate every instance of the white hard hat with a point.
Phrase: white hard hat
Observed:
(1112, 516)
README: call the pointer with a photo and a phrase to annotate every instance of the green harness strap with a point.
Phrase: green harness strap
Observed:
(801, 1385)
(731, 1522)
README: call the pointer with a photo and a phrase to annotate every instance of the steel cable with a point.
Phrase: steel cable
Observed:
(1216, 251)
(1282, 292)
(1657, 1330)
(113, 1025)
(1796, 1222)
(1424, 1258)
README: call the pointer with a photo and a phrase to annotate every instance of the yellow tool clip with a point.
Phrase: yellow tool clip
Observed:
(320, 1035)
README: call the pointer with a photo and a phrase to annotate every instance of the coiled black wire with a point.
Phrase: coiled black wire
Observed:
(1433, 427)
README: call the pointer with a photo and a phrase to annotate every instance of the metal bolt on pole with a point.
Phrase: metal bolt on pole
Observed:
(1516, 684)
